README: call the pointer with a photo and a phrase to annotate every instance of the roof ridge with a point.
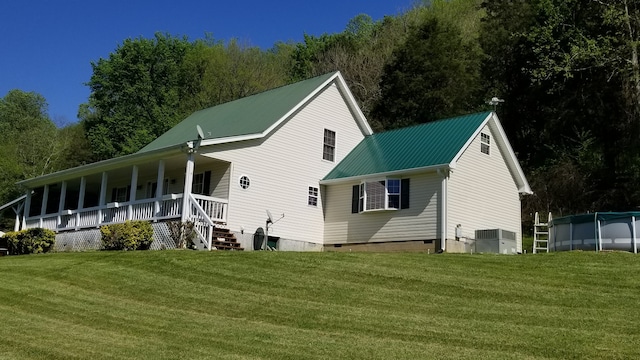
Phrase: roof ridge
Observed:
(432, 122)
(269, 90)
(247, 116)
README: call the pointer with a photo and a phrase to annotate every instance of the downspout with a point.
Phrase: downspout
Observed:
(443, 209)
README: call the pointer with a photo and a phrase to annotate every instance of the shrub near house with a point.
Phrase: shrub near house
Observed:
(28, 241)
(131, 235)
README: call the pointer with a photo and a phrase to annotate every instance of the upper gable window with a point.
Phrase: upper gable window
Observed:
(485, 143)
(329, 149)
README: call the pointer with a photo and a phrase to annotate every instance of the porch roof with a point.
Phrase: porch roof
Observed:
(100, 166)
(15, 201)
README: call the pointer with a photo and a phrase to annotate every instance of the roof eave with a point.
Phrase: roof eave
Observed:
(386, 174)
(512, 160)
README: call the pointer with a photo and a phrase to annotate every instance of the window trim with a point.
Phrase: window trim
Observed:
(331, 145)
(248, 182)
(310, 195)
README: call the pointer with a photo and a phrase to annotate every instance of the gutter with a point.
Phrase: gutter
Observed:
(438, 168)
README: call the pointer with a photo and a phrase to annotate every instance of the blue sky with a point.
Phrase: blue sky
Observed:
(48, 46)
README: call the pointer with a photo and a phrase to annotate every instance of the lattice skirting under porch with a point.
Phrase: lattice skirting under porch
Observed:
(90, 239)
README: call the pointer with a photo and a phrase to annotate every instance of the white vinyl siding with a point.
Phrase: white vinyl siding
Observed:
(482, 193)
(419, 222)
(220, 172)
(282, 165)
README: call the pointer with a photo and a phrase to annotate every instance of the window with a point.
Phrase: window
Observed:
(201, 183)
(485, 143)
(313, 196)
(153, 186)
(374, 195)
(329, 150)
(198, 183)
(393, 193)
(151, 189)
(244, 182)
(388, 194)
(120, 194)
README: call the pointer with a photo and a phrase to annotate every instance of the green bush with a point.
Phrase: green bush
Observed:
(132, 235)
(29, 241)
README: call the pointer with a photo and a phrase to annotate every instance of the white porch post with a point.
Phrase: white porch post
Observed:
(63, 195)
(103, 197)
(188, 183)
(27, 209)
(83, 188)
(634, 234)
(45, 198)
(159, 188)
(132, 193)
(17, 210)
(599, 236)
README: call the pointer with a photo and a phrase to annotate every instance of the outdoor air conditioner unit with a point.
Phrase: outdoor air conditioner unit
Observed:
(497, 241)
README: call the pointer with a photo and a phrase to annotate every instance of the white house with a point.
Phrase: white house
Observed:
(305, 153)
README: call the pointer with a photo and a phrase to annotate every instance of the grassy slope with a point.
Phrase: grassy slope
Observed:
(182, 304)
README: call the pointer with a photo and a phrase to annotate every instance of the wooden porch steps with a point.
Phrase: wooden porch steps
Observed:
(223, 239)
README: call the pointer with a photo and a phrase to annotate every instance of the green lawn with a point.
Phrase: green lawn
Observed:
(255, 305)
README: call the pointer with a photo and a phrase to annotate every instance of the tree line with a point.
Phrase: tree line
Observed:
(567, 69)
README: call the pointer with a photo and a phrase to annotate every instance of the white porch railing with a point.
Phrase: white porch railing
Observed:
(208, 209)
(215, 208)
(202, 223)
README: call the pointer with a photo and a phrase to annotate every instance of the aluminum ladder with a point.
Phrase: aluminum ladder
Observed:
(541, 234)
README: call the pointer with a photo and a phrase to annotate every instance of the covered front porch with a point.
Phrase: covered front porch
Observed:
(176, 185)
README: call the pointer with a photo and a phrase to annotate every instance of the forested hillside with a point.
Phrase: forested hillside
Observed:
(567, 69)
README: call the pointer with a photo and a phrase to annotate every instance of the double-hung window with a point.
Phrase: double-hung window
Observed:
(198, 183)
(329, 149)
(312, 200)
(485, 143)
(201, 183)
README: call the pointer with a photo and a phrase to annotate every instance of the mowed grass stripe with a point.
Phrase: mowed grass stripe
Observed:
(182, 304)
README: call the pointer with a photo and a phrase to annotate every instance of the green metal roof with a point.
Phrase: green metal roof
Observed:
(431, 144)
(250, 115)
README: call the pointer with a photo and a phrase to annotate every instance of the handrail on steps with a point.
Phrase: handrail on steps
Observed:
(201, 215)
